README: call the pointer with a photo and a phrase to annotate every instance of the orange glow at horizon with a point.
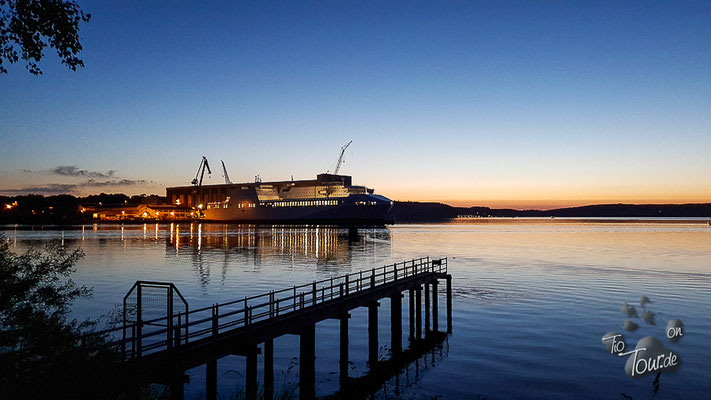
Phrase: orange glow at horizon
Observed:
(542, 199)
(535, 204)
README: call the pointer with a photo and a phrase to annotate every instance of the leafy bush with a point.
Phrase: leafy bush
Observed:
(43, 354)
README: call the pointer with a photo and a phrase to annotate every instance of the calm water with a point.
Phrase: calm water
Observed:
(532, 298)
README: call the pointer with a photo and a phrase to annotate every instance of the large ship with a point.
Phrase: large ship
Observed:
(330, 198)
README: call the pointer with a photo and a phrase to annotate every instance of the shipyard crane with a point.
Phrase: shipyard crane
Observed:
(340, 158)
(201, 172)
(227, 177)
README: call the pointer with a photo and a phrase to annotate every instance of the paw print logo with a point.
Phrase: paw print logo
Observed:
(649, 355)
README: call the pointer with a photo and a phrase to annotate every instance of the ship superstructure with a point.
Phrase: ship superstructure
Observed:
(328, 198)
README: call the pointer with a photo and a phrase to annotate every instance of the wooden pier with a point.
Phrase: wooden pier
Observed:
(160, 349)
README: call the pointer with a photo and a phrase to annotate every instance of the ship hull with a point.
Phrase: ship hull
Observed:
(350, 210)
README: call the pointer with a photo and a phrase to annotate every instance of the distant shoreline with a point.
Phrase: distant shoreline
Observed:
(410, 211)
(590, 220)
(68, 210)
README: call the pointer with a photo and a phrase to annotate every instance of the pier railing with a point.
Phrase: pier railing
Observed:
(143, 337)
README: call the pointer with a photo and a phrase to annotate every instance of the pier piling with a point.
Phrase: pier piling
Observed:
(418, 311)
(427, 309)
(211, 380)
(307, 362)
(268, 369)
(435, 307)
(396, 323)
(449, 303)
(411, 313)
(177, 386)
(373, 333)
(251, 374)
(343, 348)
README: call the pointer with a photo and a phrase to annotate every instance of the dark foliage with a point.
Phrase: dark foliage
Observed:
(62, 209)
(27, 27)
(36, 290)
(106, 199)
(42, 353)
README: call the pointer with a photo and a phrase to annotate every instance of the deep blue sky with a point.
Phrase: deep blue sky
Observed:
(502, 103)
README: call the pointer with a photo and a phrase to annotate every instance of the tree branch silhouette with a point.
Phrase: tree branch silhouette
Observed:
(27, 27)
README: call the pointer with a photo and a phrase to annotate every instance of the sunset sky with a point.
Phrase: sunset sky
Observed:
(507, 104)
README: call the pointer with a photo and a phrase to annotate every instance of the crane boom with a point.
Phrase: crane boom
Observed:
(340, 158)
(201, 172)
(224, 170)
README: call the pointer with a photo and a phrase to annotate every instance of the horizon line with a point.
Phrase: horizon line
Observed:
(517, 205)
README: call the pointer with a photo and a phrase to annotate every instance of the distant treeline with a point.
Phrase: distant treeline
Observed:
(66, 209)
(416, 211)
(61, 209)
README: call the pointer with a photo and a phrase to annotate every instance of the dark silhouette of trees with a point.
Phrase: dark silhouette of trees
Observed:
(43, 354)
(27, 27)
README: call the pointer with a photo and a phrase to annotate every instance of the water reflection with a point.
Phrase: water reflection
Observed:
(217, 247)
(398, 375)
(323, 243)
(329, 247)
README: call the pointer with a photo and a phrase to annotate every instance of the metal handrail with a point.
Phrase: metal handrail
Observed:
(208, 321)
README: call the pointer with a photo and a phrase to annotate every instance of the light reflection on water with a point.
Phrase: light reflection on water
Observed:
(532, 297)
